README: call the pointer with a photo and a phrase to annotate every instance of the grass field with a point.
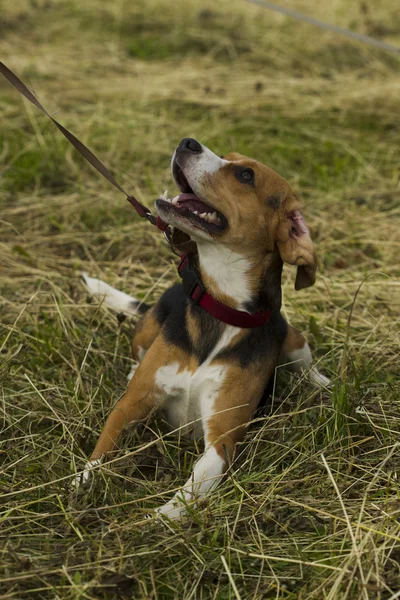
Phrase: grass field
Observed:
(311, 507)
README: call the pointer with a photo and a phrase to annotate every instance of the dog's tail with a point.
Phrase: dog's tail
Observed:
(114, 299)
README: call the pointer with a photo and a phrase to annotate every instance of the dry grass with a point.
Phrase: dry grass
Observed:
(311, 508)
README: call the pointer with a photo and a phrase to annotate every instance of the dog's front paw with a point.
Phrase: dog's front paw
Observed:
(319, 380)
(82, 479)
(174, 510)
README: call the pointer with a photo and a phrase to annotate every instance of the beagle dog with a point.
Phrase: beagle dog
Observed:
(239, 221)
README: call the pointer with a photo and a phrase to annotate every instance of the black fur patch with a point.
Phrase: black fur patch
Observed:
(210, 332)
(274, 201)
(260, 343)
(170, 312)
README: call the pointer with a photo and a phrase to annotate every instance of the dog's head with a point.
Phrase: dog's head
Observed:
(240, 203)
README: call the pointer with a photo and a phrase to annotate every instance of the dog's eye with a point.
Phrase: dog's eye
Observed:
(245, 175)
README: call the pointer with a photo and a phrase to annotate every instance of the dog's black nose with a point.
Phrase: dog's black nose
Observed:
(189, 144)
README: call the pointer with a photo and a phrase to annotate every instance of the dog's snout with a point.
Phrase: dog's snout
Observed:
(191, 145)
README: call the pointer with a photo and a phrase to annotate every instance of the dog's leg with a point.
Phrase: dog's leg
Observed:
(224, 426)
(145, 333)
(297, 354)
(206, 475)
(140, 398)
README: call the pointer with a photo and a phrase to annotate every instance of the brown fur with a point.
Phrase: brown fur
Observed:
(141, 395)
(146, 332)
(234, 410)
(294, 341)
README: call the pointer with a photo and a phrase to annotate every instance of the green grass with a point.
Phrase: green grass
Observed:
(310, 508)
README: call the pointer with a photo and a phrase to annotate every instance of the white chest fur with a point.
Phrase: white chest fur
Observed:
(228, 269)
(187, 398)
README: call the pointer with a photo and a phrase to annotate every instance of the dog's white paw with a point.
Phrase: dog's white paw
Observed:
(174, 510)
(83, 478)
(317, 379)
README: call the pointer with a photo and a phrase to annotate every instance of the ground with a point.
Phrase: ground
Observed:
(310, 508)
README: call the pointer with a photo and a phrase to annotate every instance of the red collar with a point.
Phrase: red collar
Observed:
(195, 291)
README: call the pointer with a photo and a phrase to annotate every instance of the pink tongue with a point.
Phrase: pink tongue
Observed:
(192, 203)
(185, 197)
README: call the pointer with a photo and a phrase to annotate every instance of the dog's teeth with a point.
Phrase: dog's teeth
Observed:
(165, 195)
(203, 215)
(195, 212)
(214, 218)
(175, 200)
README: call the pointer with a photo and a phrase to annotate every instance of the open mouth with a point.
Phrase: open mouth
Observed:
(189, 208)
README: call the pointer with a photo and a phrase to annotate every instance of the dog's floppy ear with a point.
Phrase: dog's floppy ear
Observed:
(296, 247)
(182, 242)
